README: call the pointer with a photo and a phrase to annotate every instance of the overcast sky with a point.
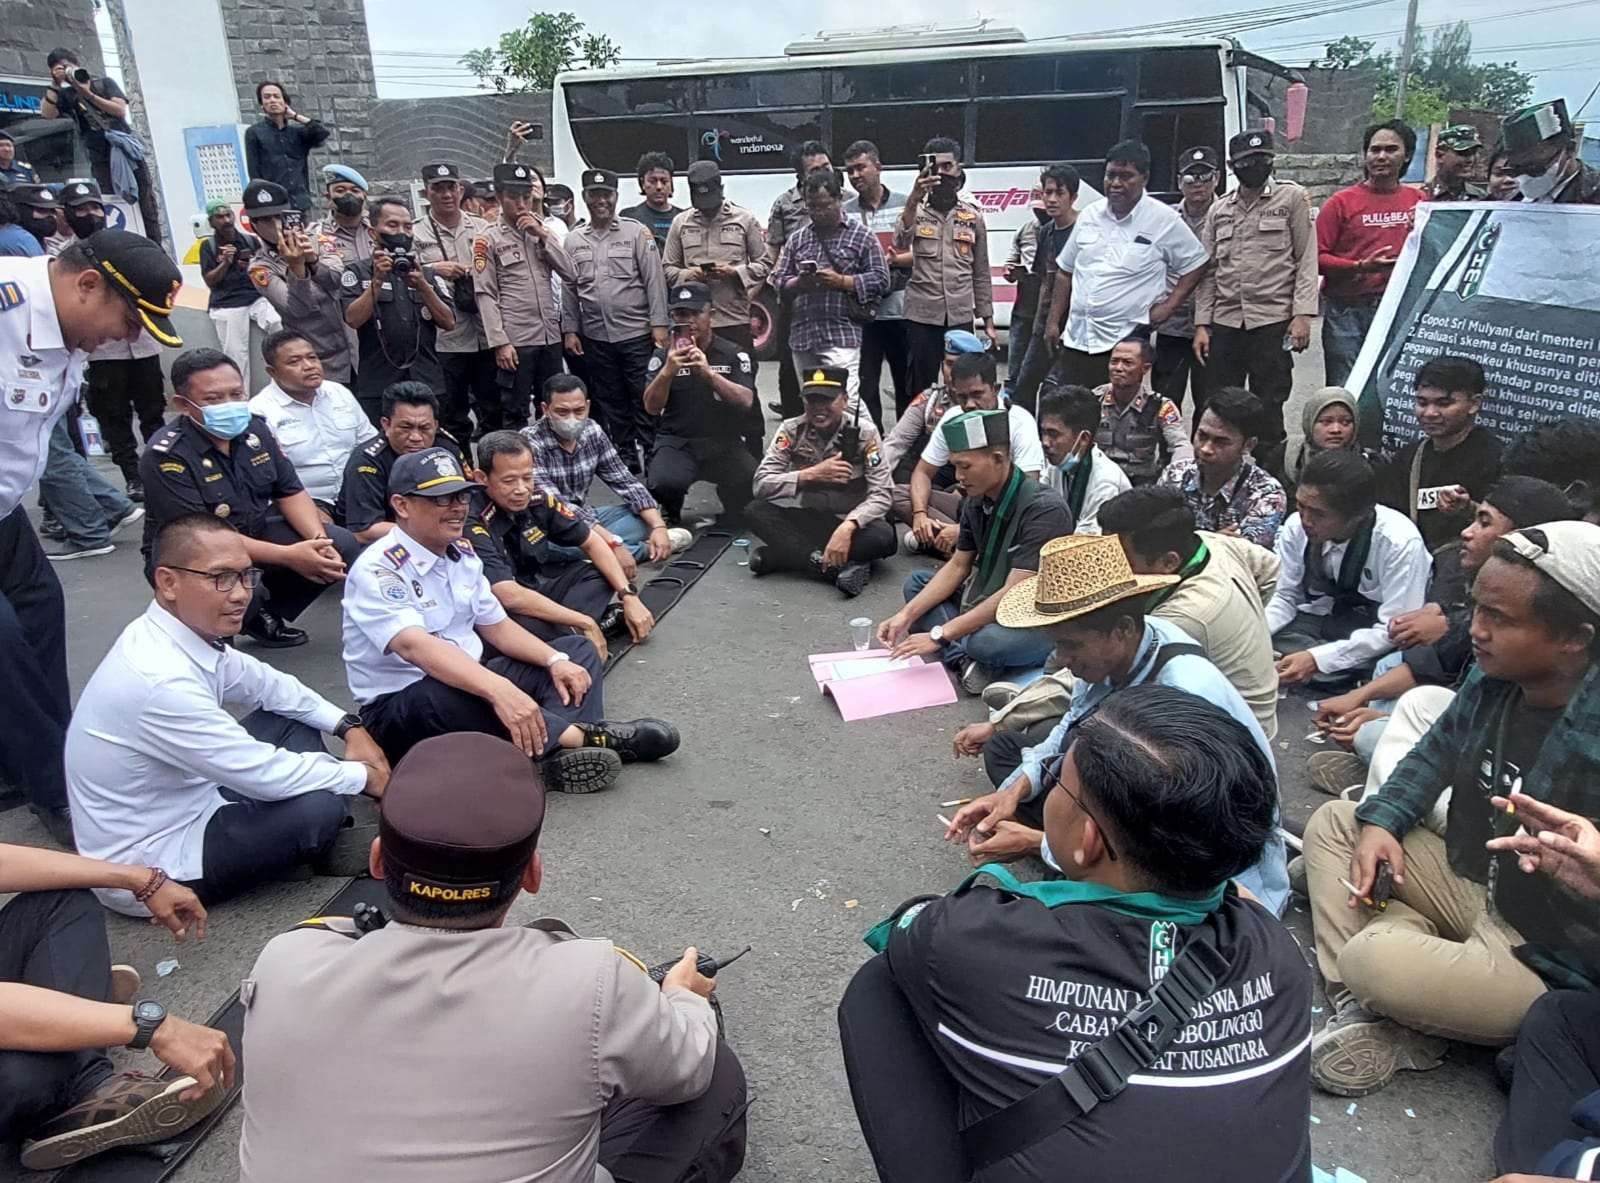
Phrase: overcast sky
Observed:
(415, 51)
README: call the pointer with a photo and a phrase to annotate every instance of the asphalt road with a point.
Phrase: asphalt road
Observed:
(776, 825)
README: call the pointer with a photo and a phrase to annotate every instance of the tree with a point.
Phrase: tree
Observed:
(530, 57)
(1345, 53)
(1442, 76)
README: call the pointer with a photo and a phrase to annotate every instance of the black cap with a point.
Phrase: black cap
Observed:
(824, 381)
(80, 193)
(450, 840)
(432, 472)
(265, 199)
(1251, 143)
(705, 185)
(557, 189)
(1198, 160)
(691, 295)
(598, 178)
(142, 274)
(440, 172)
(37, 196)
(511, 175)
(5, 135)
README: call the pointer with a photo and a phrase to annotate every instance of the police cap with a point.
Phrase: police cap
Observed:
(824, 382)
(142, 274)
(513, 177)
(265, 199)
(598, 178)
(432, 472)
(1251, 143)
(434, 173)
(37, 196)
(959, 341)
(694, 296)
(1199, 160)
(80, 193)
(455, 842)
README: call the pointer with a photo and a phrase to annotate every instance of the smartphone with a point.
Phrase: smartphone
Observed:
(808, 266)
(707, 268)
(294, 220)
(682, 337)
(929, 164)
(1382, 885)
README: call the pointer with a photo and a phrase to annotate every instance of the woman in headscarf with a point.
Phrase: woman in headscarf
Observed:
(1328, 423)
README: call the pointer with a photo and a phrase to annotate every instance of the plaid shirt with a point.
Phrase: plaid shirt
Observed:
(822, 318)
(569, 474)
(1251, 502)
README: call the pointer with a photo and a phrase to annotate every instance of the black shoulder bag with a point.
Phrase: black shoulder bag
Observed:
(859, 312)
(462, 291)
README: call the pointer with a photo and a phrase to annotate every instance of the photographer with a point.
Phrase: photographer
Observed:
(277, 146)
(100, 109)
(225, 260)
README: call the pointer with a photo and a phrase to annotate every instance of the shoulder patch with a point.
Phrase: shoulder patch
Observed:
(920, 399)
(367, 468)
(874, 456)
(655, 364)
(480, 252)
(348, 279)
(392, 587)
(781, 441)
(1169, 413)
(397, 554)
(259, 275)
(11, 296)
(465, 547)
(173, 467)
(744, 361)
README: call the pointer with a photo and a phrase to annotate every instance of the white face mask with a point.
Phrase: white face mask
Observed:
(1047, 854)
(1537, 187)
(567, 429)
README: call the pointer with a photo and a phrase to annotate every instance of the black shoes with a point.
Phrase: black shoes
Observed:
(612, 622)
(580, 770)
(758, 559)
(270, 632)
(57, 823)
(135, 489)
(641, 739)
(852, 579)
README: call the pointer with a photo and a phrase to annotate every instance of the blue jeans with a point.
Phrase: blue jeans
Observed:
(622, 522)
(993, 646)
(1344, 328)
(84, 502)
(1370, 732)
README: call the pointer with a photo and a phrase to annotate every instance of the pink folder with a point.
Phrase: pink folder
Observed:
(867, 683)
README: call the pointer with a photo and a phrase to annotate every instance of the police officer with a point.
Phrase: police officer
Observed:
(344, 232)
(444, 243)
(614, 312)
(417, 603)
(549, 1048)
(1455, 154)
(301, 282)
(822, 492)
(397, 309)
(53, 313)
(220, 459)
(1542, 149)
(702, 389)
(1254, 305)
(1176, 368)
(12, 170)
(36, 211)
(410, 423)
(513, 261)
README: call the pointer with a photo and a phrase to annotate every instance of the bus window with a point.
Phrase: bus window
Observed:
(1069, 73)
(617, 144)
(753, 141)
(639, 96)
(1180, 74)
(1167, 132)
(912, 80)
(776, 88)
(899, 129)
(1032, 131)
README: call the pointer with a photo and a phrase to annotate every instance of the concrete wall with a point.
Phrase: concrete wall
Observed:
(468, 130)
(29, 29)
(1321, 173)
(1339, 107)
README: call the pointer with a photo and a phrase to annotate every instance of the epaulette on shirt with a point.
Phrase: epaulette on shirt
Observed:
(465, 547)
(163, 440)
(374, 447)
(397, 554)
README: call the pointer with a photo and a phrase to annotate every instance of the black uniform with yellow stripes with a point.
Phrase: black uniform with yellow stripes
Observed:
(511, 546)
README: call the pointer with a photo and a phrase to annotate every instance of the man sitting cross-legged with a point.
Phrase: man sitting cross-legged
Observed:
(409, 423)
(417, 614)
(161, 774)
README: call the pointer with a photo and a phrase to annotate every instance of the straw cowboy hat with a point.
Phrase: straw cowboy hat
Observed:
(1077, 574)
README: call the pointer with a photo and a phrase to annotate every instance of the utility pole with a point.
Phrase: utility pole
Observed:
(1407, 48)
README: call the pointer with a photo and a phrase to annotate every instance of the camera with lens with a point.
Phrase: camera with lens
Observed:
(404, 262)
(79, 75)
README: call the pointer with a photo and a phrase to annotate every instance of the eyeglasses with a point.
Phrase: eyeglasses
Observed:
(225, 581)
(1052, 780)
(447, 500)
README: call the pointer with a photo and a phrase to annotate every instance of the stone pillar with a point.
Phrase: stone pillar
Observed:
(138, 118)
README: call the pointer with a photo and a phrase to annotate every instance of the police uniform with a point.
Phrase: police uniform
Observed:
(510, 546)
(184, 471)
(1176, 369)
(512, 274)
(617, 296)
(364, 495)
(464, 353)
(18, 172)
(346, 244)
(698, 437)
(1143, 437)
(308, 304)
(40, 377)
(797, 522)
(950, 283)
(399, 341)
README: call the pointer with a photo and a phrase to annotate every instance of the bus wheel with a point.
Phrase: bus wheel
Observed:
(763, 326)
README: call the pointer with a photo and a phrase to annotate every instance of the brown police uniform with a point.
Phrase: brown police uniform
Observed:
(950, 284)
(733, 237)
(464, 353)
(350, 244)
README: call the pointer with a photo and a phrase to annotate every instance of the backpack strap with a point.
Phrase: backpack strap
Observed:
(1167, 652)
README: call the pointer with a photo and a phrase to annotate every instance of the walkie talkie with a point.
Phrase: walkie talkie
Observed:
(707, 965)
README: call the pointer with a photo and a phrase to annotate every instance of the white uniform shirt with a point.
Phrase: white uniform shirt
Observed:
(319, 436)
(398, 584)
(1026, 451)
(1121, 267)
(1395, 578)
(39, 376)
(1106, 480)
(150, 742)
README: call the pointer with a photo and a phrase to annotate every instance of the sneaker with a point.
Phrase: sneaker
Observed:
(909, 544)
(680, 539)
(640, 739)
(134, 513)
(125, 981)
(1336, 773)
(65, 552)
(580, 770)
(129, 1109)
(1000, 694)
(1297, 875)
(852, 578)
(975, 677)
(135, 489)
(1358, 1053)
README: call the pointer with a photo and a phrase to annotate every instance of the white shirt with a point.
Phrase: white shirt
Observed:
(39, 376)
(1395, 578)
(1026, 451)
(319, 436)
(150, 742)
(397, 584)
(1121, 268)
(1106, 480)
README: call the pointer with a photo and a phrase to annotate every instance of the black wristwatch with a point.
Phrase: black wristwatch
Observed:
(631, 590)
(345, 724)
(147, 1016)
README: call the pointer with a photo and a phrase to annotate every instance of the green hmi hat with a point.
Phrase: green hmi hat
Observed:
(978, 429)
(1535, 124)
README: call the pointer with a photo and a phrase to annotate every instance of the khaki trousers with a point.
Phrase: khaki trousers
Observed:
(1436, 960)
(1414, 713)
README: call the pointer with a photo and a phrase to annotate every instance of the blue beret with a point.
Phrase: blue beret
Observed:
(343, 172)
(961, 341)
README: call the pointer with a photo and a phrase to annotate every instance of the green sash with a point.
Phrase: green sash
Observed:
(992, 571)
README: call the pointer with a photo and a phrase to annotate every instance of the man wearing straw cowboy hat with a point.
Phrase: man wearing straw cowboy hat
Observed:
(1087, 601)
(1005, 518)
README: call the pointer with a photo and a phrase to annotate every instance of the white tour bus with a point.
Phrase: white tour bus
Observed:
(1013, 104)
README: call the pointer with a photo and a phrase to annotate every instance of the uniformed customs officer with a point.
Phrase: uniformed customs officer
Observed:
(1255, 302)
(410, 423)
(702, 388)
(417, 613)
(220, 459)
(823, 490)
(300, 281)
(1542, 149)
(397, 309)
(12, 170)
(513, 263)
(444, 243)
(53, 313)
(1455, 154)
(551, 1050)
(614, 312)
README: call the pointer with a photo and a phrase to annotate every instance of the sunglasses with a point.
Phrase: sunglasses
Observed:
(1052, 780)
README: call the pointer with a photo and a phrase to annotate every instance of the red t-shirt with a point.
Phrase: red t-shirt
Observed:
(1351, 225)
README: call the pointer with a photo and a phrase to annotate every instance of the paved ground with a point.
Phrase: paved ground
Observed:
(775, 825)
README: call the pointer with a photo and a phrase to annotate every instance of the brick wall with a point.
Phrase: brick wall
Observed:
(1338, 108)
(29, 30)
(1321, 173)
(468, 130)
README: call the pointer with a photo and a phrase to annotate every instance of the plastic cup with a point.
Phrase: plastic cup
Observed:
(861, 632)
(744, 551)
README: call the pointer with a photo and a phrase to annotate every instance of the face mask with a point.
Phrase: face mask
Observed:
(347, 204)
(225, 420)
(1047, 854)
(395, 242)
(567, 429)
(41, 226)
(1252, 175)
(84, 225)
(1536, 187)
(944, 193)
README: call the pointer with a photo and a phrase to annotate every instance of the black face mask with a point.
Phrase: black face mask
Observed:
(347, 205)
(40, 225)
(945, 193)
(1253, 174)
(84, 225)
(395, 242)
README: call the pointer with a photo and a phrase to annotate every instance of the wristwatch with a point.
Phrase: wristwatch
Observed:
(556, 658)
(345, 724)
(937, 633)
(147, 1016)
(632, 589)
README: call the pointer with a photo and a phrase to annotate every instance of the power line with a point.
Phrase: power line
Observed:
(1588, 100)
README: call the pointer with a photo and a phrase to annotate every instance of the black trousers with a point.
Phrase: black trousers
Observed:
(616, 383)
(699, 1141)
(1557, 1065)
(287, 592)
(1026, 371)
(1074, 367)
(1256, 359)
(754, 432)
(471, 384)
(148, 210)
(118, 389)
(1002, 756)
(33, 665)
(925, 350)
(55, 940)
(677, 463)
(788, 380)
(249, 842)
(428, 707)
(1177, 370)
(884, 341)
(792, 534)
(536, 364)
(578, 586)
